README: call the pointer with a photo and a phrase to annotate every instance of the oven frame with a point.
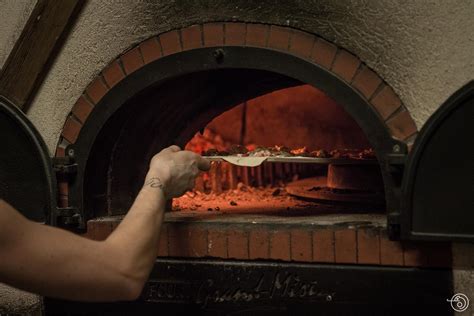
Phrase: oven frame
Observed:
(387, 148)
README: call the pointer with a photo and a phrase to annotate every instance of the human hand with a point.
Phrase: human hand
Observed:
(174, 171)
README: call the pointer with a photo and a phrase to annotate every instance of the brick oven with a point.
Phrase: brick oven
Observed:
(366, 234)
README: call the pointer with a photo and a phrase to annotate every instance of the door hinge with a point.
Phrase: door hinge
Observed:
(64, 166)
(68, 217)
(396, 161)
(65, 169)
(395, 165)
(393, 225)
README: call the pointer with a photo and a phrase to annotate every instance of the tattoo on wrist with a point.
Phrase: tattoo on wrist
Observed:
(154, 183)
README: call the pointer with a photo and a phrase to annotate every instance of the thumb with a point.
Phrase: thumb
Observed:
(203, 164)
(173, 148)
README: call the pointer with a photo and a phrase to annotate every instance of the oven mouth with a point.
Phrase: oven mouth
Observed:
(194, 111)
(159, 105)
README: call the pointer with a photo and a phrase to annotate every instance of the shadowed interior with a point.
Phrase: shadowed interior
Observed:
(237, 106)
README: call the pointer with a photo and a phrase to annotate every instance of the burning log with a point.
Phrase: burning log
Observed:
(232, 176)
(215, 175)
(199, 184)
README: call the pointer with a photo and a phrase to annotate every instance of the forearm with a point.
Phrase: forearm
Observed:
(137, 236)
(55, 262)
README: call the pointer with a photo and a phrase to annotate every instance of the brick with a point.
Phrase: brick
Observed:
(301, 245)
(217, 243)
(90, 230)
(213, 34)
(113, 74)
(345, 65)
(87, 233)
(60, 151)
(99, 230)
(163, 243)
(151, 50)
(368, 246)
(237, 244)
(413, 255)
(366, 81)
(103, 230)
(323, 53)
(259, 244)
(132, 60)
(235, 33)
(391, 252)
(301, 43)
(82, 109)
(279, 38)
(280, 245)
(323, 246)
(401, 125)
(96, 90)
(170, 43)
(63, 187)
(386, 102)
(178, 240)
(114, 224)
(71, 129)
(197, 241)
(63, 201)
(191, 37)
(345, 246)
(256, 35)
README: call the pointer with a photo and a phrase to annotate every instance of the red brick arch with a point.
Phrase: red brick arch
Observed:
(310, 47)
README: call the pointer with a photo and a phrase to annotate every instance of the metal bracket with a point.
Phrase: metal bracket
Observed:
(395, 164)
(64, 166)
(68, 216)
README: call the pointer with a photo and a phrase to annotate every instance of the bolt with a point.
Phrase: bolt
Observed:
(70, 152)
(329, 298)
(218, 55)
(396, 148)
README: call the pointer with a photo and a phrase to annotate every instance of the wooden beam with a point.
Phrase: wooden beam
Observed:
(36, 48)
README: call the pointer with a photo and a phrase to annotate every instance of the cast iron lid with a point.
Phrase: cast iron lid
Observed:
(438, 187)
(26, 175)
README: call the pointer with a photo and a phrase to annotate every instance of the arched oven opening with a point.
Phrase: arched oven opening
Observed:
(235, 109)
(287, 102)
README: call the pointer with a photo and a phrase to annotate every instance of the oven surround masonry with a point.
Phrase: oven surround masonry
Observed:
(237, 243)
(388, 116)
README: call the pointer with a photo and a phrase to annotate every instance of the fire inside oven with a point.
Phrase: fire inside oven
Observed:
(317, 159)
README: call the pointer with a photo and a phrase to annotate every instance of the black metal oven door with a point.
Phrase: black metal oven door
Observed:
(26, 176)
(438, 182)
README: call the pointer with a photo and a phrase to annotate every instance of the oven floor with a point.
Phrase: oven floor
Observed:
(269, 205)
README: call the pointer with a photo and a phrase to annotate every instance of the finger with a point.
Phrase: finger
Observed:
(203, 164)
(170, 149)
(191, 184)
(174, 148)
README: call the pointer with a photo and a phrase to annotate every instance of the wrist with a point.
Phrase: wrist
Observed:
(153, 196)
(154, 183)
